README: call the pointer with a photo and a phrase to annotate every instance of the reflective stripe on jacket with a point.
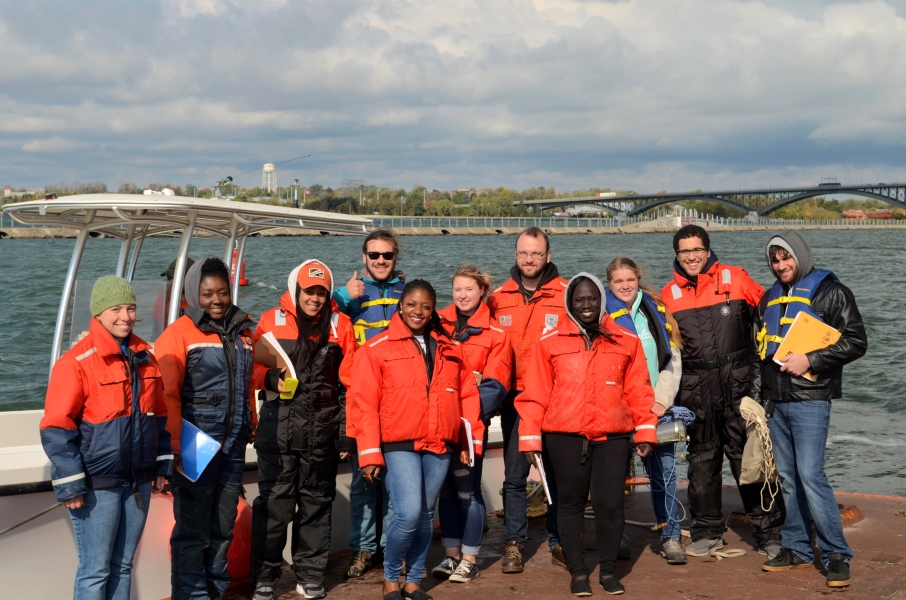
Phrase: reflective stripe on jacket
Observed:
(592, 389)
(526, 322)
(314, 420)
(393, 402)
(370, 313)
(205, 385)
(105, 419)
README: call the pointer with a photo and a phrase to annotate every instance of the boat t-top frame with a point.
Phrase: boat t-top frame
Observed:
(133, 218)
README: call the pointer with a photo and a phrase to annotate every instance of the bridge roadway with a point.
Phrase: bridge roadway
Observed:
(760, 201)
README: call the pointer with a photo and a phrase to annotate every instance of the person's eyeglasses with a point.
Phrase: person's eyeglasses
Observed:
(699, 252)
(522, 255)
(384, 255)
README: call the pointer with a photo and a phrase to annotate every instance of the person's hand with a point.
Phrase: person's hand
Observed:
(532, 458)
(464, 457)
(344, 455)
(644, 449)
(74, 503)
(177, 463)
(370, 472)
(355, 287)
(253, 434)
(795, 364)
(158, 484)
(281, 381)
(658, 409)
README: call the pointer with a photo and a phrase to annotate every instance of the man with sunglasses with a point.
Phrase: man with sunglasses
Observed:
(529, 305)
(715, 306)
(370, 301)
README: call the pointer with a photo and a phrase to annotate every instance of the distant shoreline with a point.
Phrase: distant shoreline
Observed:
(29, 233)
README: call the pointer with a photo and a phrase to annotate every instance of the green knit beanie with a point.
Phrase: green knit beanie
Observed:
(108, 291)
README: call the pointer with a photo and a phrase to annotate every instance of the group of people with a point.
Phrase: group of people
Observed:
(580, 371)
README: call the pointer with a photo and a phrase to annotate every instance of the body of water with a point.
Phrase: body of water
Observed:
(867, 441)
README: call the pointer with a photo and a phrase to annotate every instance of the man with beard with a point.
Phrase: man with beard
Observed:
(527, 306)
(715, 306)
(369, 300)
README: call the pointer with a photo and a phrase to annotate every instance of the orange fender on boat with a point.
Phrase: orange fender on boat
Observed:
(242, 280)
(239, 556)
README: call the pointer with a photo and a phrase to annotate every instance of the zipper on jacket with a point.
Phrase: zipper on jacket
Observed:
(229, 352)
(135, 434)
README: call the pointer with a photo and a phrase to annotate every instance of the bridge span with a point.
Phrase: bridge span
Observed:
(759, 201)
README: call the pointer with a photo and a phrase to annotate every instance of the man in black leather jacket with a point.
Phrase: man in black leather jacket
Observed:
(798, 408)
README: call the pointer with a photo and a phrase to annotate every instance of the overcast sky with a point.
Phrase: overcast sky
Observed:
(643, 95)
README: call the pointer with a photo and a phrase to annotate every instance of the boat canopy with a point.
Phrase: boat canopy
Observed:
(132, 218)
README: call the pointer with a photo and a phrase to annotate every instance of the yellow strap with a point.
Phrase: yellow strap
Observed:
(669, 326)
(788, 299)
(380, 302)
(786, 321)
(618, 314)
(662, 309)
(360, 326)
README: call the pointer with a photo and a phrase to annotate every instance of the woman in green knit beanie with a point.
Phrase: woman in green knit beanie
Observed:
(113, 305)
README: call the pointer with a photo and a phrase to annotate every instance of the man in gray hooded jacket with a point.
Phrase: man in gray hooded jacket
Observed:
(797, 394)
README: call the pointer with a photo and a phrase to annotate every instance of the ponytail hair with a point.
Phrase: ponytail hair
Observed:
(622, 262)
(420, 284)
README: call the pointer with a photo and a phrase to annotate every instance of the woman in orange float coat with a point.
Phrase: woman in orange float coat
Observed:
(489, 355)
(302, 439)
(412, 390)
(587, 391)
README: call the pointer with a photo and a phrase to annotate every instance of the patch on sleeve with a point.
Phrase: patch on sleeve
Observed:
(506, 320)
(280, 317)
(677, 292)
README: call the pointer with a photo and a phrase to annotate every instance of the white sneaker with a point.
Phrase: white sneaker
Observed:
(446, 568)
(465, 572)
(311, 590)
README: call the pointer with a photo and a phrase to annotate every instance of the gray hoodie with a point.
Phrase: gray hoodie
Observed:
(566, 297)
(794, 243)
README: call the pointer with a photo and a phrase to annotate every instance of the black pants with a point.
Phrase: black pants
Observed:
(723, 433)
(603, 471)
(298, 487)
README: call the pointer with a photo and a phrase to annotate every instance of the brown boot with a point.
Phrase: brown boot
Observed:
(558, 558)
(512, 558)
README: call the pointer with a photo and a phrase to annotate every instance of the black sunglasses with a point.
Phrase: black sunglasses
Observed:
(384, 255)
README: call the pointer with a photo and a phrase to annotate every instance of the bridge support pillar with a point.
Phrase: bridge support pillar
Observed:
(752, 216)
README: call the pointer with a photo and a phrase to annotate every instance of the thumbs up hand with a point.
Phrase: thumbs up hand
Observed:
(355, 287)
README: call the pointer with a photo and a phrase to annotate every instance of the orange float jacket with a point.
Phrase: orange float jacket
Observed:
(527, 320)
(104, 422)
(593, 389)
(393, 404)
(486, 349)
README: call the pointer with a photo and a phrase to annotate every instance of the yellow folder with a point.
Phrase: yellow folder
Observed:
(805, 335)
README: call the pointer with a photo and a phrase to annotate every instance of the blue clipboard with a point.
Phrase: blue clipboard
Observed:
(197, 450)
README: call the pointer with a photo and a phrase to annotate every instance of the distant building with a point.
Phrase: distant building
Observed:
(7, 190)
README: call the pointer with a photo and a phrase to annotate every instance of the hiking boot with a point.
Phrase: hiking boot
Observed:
(837, 571)
(580, 588)
(672, 550)
(558, 558)
(611, 585)
(704, 547)
(785, 560)
(264, 592)
(311, 590)
(446, 568)
(465, 572)
(623, 553)
(512, 558)
(771, 549)
(359, 564)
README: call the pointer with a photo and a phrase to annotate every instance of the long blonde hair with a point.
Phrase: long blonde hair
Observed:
(622, 262)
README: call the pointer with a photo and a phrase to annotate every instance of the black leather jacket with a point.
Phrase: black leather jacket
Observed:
(836, 305)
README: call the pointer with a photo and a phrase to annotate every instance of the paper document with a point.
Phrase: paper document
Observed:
(540, 465)
(270, 353)
(468, 428)
(197, 450)
(806, 334)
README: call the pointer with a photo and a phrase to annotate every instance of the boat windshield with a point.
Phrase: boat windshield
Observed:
(152, 304)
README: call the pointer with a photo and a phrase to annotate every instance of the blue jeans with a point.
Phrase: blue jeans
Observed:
(205, 512)
(414, 480)
(515, 475)
(362, 508)
(107, 530)
(461, 507)
(799, 435)
(661, 469)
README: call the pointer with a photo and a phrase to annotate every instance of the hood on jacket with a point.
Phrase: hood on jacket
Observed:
(569, 292)
(192, 284)
(295, 275)
(796, 244)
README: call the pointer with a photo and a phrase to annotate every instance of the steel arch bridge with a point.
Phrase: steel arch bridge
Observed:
(761, 201)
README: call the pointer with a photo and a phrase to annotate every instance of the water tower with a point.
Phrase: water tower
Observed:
(269, 177)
